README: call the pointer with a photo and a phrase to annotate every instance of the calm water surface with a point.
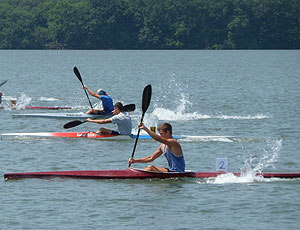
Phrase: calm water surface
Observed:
(248, 100)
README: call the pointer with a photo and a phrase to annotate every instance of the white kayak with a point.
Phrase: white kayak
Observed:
(80, 115)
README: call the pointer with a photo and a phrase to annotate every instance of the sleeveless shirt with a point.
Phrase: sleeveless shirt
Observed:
(176, 163)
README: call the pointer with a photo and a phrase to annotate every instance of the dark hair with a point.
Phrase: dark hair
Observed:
(119, 105)
(165, 127)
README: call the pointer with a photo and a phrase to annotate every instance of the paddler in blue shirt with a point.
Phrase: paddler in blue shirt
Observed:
(169, 147)
(0, 97)
(107, 102)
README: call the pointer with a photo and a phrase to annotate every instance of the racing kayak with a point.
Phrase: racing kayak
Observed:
(76, 135)
(80, 115)
(131, 173)
(48, 107)
(91, 134)
(42, 107)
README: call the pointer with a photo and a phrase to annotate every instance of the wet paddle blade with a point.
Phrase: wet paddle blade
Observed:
(76, 71)
(72, 124)
(146, 98)
(129, 108)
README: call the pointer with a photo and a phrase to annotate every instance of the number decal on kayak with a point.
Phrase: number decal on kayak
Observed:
(221, 164)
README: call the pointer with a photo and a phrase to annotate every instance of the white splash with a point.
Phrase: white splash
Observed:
(268, 159)
(150, 121)
(184, 107)
(252, 166)
(229, 178)
(8, 98)
(21, 102)
(205, 138)
(48, 99)
(249, 117)
(178, 115)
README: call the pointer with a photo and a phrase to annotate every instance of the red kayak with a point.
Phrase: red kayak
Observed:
(88, 134)
(131, 173)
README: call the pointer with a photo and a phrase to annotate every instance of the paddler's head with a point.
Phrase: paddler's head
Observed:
(118, 108)
(165, 129)
(101, 92)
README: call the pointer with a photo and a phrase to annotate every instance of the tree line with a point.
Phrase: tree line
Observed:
(149, 24)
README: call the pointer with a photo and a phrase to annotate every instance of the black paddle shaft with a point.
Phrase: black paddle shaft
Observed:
(76, 71)
(145, 104)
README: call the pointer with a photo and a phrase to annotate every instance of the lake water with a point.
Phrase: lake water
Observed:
(251, 96)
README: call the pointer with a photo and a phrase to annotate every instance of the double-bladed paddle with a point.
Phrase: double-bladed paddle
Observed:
(145, 104)
(71, 124)
(3, 82)
(76, 71)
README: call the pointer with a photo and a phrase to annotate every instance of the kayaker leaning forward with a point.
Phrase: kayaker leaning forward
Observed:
(107, 102)
(122, 119)
(169, 147)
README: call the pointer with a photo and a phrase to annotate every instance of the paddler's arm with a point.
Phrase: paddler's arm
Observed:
(91, 92)
(104, 121)
(154, 135)
(171, 143)
(147, 159)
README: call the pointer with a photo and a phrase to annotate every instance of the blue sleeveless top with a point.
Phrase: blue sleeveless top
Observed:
(176, 164)
(107, 103)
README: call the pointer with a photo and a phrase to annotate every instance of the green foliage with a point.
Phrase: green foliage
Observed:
(145, 24)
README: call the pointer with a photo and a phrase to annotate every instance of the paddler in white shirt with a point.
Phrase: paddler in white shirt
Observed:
(122, 119)
(169, 147)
